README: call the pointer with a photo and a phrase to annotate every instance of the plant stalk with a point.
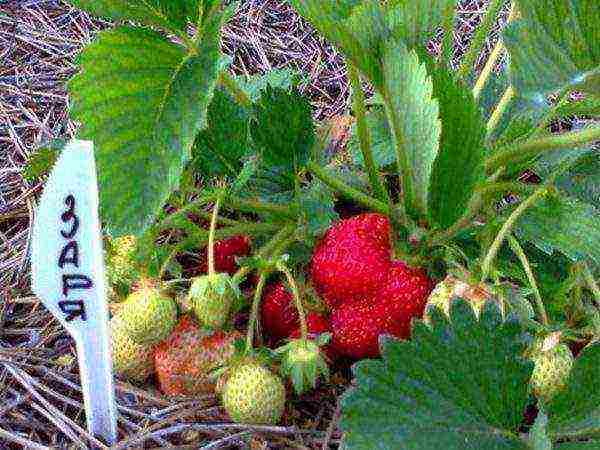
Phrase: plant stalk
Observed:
(252, 322)
(534, 147)
(348, 191)
(518, 250)
(297, 300)
(281, 239)
(211, 238)
(494, 55)
(500, 109)
(448, 41)
(254, 206)
(473, 207)
(229, 83)
(505, 230)
(200, 201)
(478, 40)
(364, 137)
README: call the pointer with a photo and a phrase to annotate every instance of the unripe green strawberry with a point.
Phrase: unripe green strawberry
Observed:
(303, 362)
(253, 394)
(212, 297)
(120, 266)
(148, 315)
(131, 361)
(553, 362)
(452, 287)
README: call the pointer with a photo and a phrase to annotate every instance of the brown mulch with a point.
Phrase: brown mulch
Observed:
(40, 401)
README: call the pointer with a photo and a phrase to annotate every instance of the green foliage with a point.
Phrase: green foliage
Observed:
(382, 146)
(562, 224)
(254, 85)
(588, 106)
(554, 46)
(316, 210)
(414, 22)
(220, 149)
(581, 180)
(168, 14)
(459, 164)
(41, 162)
(460, 385)
(414, 118)
(575, 411)
(283, 131)
(142, 100)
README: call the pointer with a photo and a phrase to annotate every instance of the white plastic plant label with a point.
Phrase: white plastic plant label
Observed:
(68, 276)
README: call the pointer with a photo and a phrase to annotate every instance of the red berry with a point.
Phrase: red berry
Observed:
(405, 292)
(185, 360)
(357, 326)
(352, 259)
(279, 316)
(226, 250)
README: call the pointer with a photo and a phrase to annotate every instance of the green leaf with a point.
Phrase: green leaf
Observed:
(41, 162)
(168, 14)
(581, 180)
(220, 149)
(576, 410)
(460, 385)
(558, 223)
(283, 130)
(414, 118)
(460, 163)
(142, 100)
(415, 21)
(254, 85)
(554, 46)
(588, 106)
(382, 145)
(317, 210)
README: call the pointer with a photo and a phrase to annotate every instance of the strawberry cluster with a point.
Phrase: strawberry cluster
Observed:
(369, 294)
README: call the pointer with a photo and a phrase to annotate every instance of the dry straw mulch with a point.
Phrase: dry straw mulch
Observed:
(40, 401)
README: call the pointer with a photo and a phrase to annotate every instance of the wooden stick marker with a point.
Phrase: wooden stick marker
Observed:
(68, 277)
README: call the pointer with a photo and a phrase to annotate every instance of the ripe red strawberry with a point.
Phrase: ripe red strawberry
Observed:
(278, 314)
(185, 360)
(356, 327)
(226, 250)
(405, 291)
(352, 259)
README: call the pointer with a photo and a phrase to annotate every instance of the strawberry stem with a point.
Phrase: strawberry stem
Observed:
(254, 312)
(229, 83)
(348, 191)
(481, 34)
(297, 300)
(518, 250)
(364, 137)
(279, 242)
(211, 238)
(528, 149)
(505, 230)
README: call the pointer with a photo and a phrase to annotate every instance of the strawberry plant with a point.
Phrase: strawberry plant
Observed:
(433, 158)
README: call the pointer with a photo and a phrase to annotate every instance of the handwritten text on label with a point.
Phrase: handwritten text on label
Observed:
(69, 256)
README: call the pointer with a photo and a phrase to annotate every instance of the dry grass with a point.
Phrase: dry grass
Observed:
(40, 402)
